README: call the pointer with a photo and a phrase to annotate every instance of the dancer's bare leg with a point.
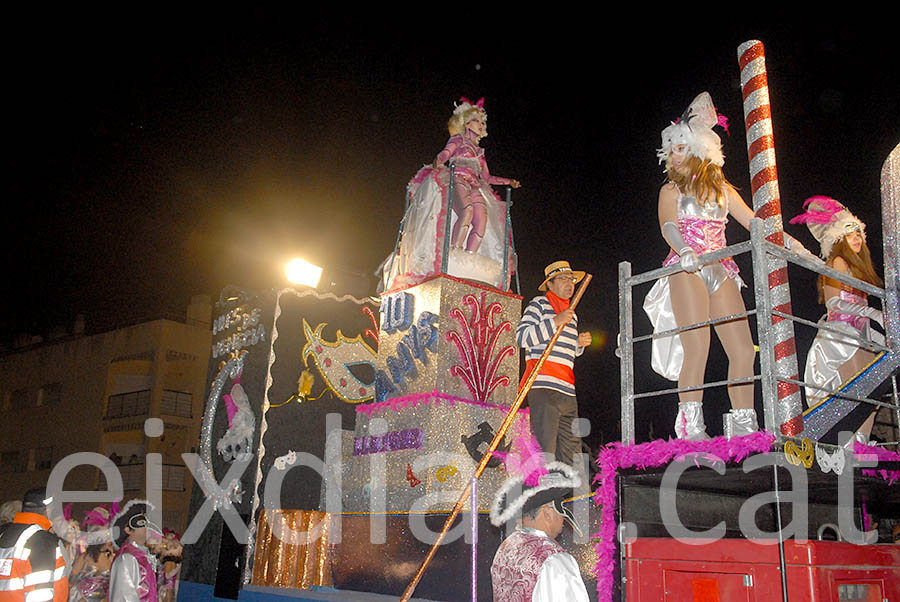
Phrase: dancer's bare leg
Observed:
(690, 303)
(736, 340)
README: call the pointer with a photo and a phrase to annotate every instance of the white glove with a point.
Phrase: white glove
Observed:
(838, 305)
(792, 244)
(689, 260)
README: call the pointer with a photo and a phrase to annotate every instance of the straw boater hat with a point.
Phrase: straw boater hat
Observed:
(555, 269)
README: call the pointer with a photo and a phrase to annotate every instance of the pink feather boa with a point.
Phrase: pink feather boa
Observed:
(880, 453)
(616, 456)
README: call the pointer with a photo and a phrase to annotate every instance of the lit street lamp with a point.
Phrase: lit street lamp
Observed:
(302, 272)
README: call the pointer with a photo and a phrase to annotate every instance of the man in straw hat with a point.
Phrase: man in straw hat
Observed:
(529, 565)
(552, 400)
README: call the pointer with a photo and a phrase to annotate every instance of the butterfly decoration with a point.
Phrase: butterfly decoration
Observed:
(797, 455)
(830, 461)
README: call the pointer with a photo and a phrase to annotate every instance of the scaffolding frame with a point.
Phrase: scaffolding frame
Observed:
(760, 250)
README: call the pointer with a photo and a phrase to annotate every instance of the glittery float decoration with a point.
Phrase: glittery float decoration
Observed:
(831, 461)
(334, 360)
(435, 398)
(799, 455)
(767, 205)
(232, 492)
(617, 456)
(475, 343)
(281, 561)
(396, 440)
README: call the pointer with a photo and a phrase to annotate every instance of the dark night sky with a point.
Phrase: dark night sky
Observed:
(154, 161)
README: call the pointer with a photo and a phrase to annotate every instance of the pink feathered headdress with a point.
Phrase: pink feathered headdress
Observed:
(828, 221)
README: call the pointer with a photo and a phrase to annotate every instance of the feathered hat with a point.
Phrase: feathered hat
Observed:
(695, 130)
(828, 221)
(465, 104)
(533, 482)
(133, 515)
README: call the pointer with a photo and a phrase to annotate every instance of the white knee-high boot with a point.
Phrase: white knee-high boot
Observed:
(689, 422)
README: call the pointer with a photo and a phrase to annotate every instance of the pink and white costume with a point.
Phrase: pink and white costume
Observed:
(531, 567)
(703, 229)
(830, 351)
(468, 203)
(133, 575)
(422, 238)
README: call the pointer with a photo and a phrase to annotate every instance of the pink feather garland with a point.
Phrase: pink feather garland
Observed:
(525, 456)
(616, 456)
(861, 450)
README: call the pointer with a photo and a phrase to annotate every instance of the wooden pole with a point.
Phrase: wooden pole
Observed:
(498, 437)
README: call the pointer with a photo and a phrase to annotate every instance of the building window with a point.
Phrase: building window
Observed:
(49, 394)
(173, 477)
(136, 403)
(40, 458)
(19, 399)
(176, 403)
(132, 477)
(11, 461)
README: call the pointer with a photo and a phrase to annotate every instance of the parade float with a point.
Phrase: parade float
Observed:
(345, 452)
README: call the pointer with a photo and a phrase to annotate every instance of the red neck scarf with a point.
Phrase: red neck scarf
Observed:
(557, 303)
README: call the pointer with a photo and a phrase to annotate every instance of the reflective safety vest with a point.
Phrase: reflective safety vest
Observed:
(32, 566)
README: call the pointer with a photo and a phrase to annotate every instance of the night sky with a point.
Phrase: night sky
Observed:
(165, 157)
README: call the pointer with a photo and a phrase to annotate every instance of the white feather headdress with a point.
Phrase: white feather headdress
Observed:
(695, 130)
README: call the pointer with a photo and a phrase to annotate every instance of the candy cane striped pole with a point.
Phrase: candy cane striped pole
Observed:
(788, 406)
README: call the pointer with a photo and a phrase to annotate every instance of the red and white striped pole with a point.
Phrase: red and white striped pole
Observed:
(767, 206)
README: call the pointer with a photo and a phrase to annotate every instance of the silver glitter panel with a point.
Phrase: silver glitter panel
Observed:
(480, 321)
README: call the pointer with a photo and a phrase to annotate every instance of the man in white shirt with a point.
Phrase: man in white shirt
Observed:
(132, 577)
(529, 565)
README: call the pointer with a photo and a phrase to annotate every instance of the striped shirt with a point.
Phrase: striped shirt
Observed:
(534, 332)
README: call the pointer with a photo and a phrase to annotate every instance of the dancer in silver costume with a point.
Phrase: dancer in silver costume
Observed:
(693, 210)
(833, 359)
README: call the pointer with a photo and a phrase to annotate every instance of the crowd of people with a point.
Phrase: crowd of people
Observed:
(116, 554)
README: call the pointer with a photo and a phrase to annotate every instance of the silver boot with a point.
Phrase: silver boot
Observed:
(743, 422)
(689, 422)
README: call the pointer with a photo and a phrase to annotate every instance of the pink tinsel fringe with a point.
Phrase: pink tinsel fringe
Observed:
(860, 451)
(434, 397)
(616, 456)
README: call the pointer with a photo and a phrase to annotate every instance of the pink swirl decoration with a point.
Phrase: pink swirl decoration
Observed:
(475, 342)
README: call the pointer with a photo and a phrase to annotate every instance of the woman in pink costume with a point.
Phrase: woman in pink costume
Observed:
(467, 127)
(834, 360)
(479, 236)
(693, 209)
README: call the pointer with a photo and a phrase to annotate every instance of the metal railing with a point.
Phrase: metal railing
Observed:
(760, 249)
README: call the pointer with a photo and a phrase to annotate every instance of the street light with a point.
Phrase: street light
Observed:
(302, 272)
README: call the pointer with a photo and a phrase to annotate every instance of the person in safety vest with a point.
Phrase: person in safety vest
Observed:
(32, 564)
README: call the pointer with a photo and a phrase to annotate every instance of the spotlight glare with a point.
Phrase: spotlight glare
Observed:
(302, 272)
